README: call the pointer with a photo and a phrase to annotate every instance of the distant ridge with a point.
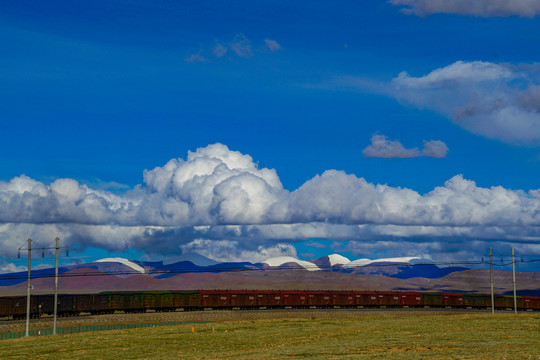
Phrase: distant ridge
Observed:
(328, 272)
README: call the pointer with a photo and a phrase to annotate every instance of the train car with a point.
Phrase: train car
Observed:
(269, 298)
(410, 298)
(99, 304)
(15, 306)
(157, 300)
(366, 298)
(343, 298)
(216, 299)
(476, 301)
(5, 307)
(67, 305)
(319, 298)
(388, 298)
(507, 301)
(187, 300)
(243, 299)
(452, 300)
(430, 299)
(126, 301)
(295, 298)
(531, 302)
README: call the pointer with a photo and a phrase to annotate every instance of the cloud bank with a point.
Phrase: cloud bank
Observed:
(481, 8)
(219, 198)
(497, 101)
(384, 148)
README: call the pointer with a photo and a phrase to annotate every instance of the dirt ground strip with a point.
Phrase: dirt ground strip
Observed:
(221, 315)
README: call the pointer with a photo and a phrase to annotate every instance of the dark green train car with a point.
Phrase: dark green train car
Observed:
(188, 300)
(431, 299)
(507, 302)
(476, 301)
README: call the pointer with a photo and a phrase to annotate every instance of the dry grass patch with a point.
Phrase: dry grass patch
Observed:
(415, 337)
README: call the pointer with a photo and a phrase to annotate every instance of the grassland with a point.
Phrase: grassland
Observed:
(378, 336)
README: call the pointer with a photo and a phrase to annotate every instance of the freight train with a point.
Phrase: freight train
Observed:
(135, 302)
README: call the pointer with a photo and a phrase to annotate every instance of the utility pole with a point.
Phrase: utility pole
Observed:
(28, 287)
(56, 287)
(514, 281)
(491, 280)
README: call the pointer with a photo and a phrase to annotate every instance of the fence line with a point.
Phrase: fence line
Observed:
(88, 328)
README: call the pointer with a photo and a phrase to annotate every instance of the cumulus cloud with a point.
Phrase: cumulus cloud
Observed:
(220, 198)
(482, 8)
(384, 148)
(229, 251)
(435, 148)
(497, 101)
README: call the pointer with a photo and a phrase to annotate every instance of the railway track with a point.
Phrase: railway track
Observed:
(228, 315)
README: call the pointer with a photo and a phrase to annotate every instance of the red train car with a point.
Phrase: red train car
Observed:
(452, 299)
(269, 298)
(343, 298)
(410, 298)
(531, 302)
(388, 298)
(294, 298)
(366, 298)
(319, 298)
(216, 299)
(243, 298)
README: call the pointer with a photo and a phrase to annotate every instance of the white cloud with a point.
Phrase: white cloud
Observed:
(231, 251)
(6, 267)
(241, 46)
(384, 148)
(497, 101)
(219, 50)
(482, 8)
(217, 194)
(435, 148)
(272, 45)
(195, 58)
(237, 47)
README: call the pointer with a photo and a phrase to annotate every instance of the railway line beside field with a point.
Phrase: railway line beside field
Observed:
(232, 315)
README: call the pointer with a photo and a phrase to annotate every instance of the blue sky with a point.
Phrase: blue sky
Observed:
(101, 91)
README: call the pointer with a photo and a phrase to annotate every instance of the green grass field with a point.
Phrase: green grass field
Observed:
(459, 336)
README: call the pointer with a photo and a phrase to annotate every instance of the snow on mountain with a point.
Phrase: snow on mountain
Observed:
(363, 262)
(192, 257)
(336, 259)
(281, 260)
(125, 262)
(329, 261)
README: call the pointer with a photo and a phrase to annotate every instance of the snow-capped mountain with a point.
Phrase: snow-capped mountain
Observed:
(364, 262)
(330, 261)
(123, 261)
(192, 263)
(290, 262)
(192, 257)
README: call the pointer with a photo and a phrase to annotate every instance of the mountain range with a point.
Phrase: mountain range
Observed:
(332, 272)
